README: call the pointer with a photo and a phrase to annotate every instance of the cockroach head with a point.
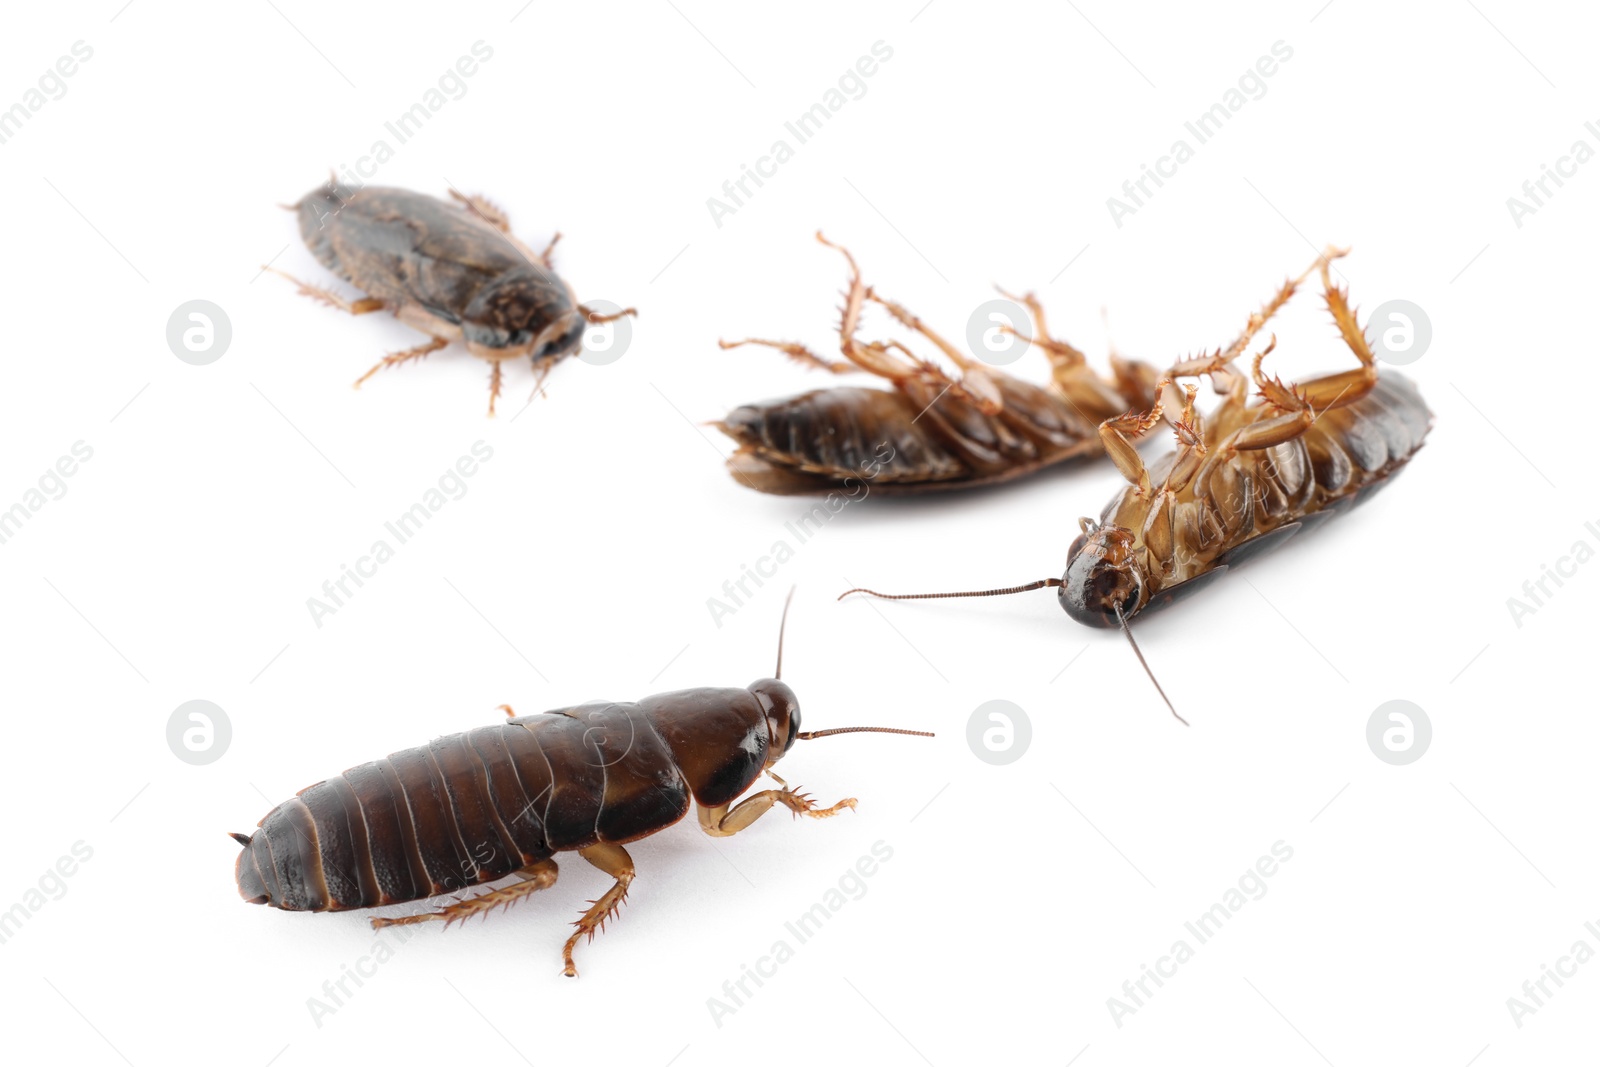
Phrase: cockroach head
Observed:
(782, 708)
(1104, 576)
(524, 313)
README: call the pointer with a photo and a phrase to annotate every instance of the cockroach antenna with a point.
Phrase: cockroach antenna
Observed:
(783, 624)
(811, 735)
(1152, 674)
(1043, 583)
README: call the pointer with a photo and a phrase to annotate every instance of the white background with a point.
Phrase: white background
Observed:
(579, 564)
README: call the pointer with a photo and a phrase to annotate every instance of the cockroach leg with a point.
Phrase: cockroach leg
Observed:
(1337, 390)
(975, 381)
(485, 209)
(1062, 356)
(507, 709)
(549, 249)
(595, 318)
(720, 821)
(797, 352)
(364, 306)
(615, 861)
(1157, 534)
(494, 386)
(1114, 434)
(541, 875)
(541, 372)
(394, 359)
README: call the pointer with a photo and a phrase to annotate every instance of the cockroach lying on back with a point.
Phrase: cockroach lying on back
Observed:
(944, 433)
(1245, 479)
(474, 807)
(451, 270)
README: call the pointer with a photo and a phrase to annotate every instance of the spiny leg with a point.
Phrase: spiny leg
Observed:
(363, 306)
(494, 386)
(615, 861)
(394, 359)
(976, 382)
(495, 216)
(1063, 356)
(541, 372)
(1226, 380)
(485, 209)
(1114, 434)
(721, 821)
(871, 356)
(1337, 390)
(540, 875)
(1159, 542)
(797, 352)
(549, 249)
(595, 318)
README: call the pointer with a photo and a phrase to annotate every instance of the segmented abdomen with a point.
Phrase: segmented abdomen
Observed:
(904, 441)
(1238, 507)
(466, 809)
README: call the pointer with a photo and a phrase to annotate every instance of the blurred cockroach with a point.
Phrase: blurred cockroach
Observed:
(1246, 479)
(454, 271)
(942, 433)
(473, 807)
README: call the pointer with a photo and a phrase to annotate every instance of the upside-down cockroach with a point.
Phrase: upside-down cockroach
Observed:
(454, 271)
(1243, 480)
(474, 807)
(945, 433)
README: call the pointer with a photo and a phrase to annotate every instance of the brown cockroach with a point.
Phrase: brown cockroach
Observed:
(453, 271)
(1245, 479)
(473, 807)
(943, 433)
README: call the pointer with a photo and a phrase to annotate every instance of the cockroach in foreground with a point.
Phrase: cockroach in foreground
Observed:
(1246, 479)
(942, 433)
(474, 807)
(454, 271)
